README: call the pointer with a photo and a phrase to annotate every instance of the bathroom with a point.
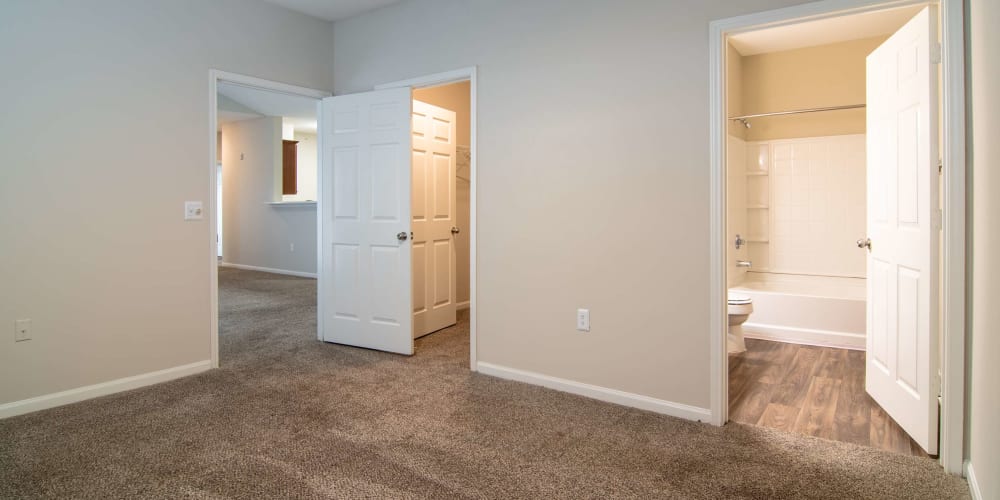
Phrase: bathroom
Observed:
(797, 247)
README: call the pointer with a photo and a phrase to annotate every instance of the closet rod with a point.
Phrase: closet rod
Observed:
(744, 118)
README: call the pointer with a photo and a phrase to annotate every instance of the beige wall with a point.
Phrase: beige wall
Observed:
(455, 97)
(95, 248)
(734, 91)
(984, 346)
(827, 75)
(593, 175)
(256, 233)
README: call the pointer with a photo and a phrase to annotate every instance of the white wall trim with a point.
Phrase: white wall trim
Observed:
(286, 272)
(953, 280)
(804, 336)
(953, 272)
(970, 476)
(102, 389)
(463, 305)
(214, 77)
(434, 80)
(596, 392)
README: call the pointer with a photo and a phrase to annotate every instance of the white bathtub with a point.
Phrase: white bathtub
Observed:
(814, 310)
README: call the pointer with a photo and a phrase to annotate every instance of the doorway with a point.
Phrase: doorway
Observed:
(803, 20)
(440, 209)
(270, 234)
(400, 178)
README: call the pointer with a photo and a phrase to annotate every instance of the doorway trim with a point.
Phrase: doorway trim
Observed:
(214, 77)
(435, 80)
(954, 179)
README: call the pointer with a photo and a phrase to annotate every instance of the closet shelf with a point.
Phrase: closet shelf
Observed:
(761, 173)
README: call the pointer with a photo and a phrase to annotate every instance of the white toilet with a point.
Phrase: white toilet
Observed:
(739, 308)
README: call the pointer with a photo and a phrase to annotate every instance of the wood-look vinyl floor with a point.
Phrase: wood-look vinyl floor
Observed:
(816, 391)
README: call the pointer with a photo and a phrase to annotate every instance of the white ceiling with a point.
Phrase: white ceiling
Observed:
(297, 110)
(823, 31)
(332, 10)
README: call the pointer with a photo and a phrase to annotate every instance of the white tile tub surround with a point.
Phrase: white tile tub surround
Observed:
(813, 310)
(806, 205)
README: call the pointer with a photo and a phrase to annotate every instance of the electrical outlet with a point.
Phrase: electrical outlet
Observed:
(193, 210)
(291, 247)
(583, 320)
(22, 330)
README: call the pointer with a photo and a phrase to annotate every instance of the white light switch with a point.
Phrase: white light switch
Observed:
(22, 330)
(193, 210)
(583, 320)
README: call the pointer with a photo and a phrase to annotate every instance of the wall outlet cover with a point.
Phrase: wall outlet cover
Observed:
(193, 210)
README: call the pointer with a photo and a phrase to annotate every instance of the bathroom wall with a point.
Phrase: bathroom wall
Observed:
(806, 205)
(734, 91)
(456, 97)
(736, 205)
(257, 233)
(736, 208)
(825, 75)
(806, 187)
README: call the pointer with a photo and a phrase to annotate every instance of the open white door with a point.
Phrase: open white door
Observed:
(366, 264)
(435, 222)
(903, 225)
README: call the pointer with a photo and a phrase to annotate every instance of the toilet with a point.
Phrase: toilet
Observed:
(739, 308)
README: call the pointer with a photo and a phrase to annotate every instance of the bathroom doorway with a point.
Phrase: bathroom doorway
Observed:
(819, 286)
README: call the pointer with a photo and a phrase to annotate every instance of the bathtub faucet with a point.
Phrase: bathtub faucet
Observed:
(744, 263)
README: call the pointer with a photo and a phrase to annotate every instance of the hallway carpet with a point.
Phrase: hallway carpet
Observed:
(288, 416)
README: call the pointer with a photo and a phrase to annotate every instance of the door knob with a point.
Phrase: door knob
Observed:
(455, 230)
(401, 236)
(865, 243)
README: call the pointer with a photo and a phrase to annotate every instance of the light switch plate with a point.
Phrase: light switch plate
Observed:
(193, 210)
(583, 320)
(22, 330)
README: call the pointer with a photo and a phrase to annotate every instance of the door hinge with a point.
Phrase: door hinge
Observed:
(935, 53)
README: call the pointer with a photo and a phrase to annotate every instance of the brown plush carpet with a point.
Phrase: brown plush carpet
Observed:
(290, 417)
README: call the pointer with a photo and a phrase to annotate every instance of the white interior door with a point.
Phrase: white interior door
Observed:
(903, 225)
(434, 218)
(365, 267)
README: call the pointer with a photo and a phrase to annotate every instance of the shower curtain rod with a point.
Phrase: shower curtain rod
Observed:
(744, 118)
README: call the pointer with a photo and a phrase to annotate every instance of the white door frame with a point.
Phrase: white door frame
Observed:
(434, 80)
(953, 154)
(214, 77)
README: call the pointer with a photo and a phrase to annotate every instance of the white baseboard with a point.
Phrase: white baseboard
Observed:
(970, 476)
(596, 392)
(465, 304)
(286, 272)
(102, 389)
(807, 336)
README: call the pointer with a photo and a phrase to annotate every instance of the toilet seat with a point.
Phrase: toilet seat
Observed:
(738, 300)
